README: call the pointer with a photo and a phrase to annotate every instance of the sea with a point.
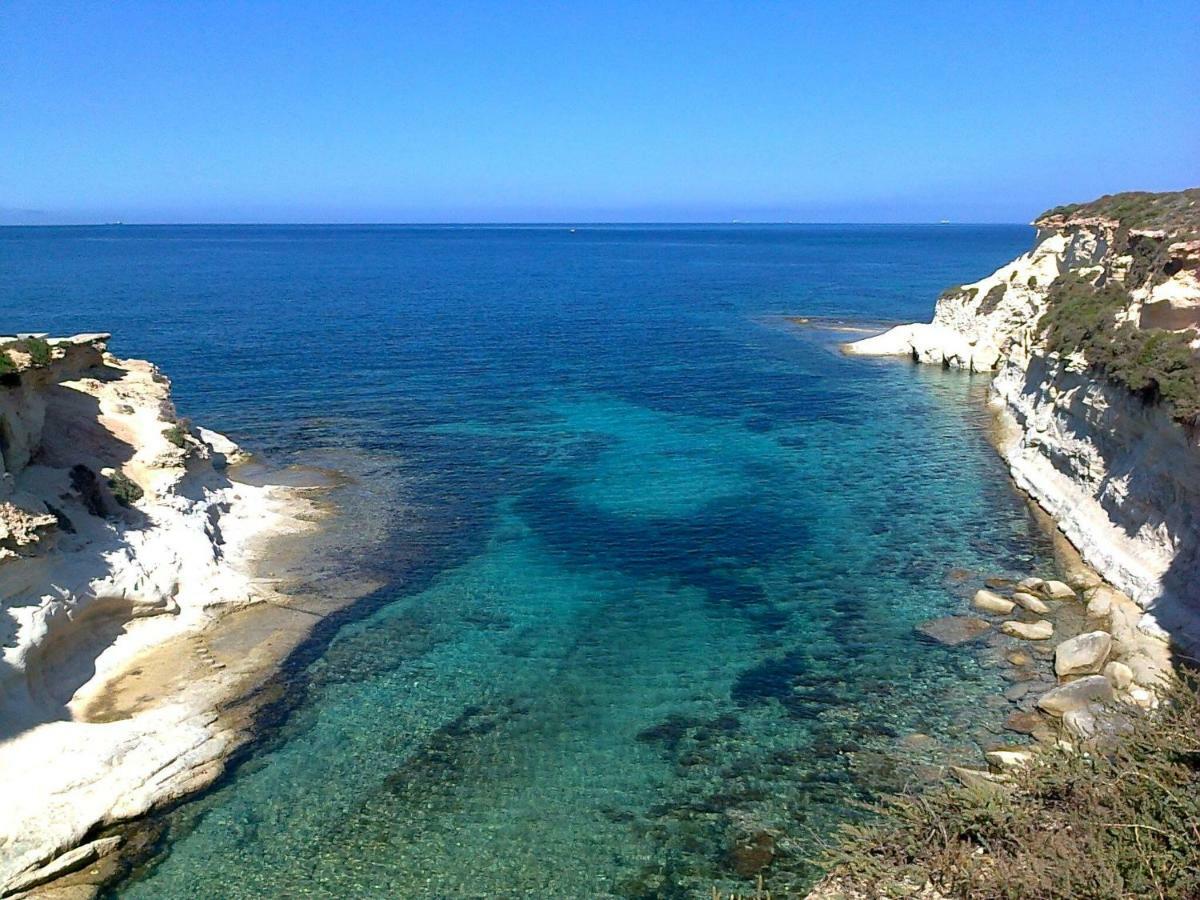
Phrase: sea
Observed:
(652, 553)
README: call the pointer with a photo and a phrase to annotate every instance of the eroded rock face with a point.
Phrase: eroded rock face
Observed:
(116, 533)
(1120, 477)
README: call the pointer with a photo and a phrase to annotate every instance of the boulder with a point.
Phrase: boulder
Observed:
(990, 602)
(1030, 602)
(1119, 675)
(1081, 722)
(1084, 654)
(1006, 759)
(1057, 590)
(953, 630)
(1076, 695)
(1030, 585)
(997, 582)
(979, 780)
(1040, 630)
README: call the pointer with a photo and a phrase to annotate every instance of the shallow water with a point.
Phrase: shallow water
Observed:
(656, 561)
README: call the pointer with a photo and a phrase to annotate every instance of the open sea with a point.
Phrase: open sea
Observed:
(655, 554)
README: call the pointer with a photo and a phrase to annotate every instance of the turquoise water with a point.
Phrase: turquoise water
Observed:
(653, 579)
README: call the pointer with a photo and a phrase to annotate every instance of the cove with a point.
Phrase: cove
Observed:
(656, 562)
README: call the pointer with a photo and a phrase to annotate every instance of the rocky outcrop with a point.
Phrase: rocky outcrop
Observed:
(124, 542)
(1115, 464)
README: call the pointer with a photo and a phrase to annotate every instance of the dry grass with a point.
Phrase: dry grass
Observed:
(1121, 822)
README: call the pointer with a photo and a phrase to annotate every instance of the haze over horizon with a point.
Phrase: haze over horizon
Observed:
(480, 112)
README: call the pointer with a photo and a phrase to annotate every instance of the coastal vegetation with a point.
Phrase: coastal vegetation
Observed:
(37, 349)
(1122, 820)
(124, 489)
(177, 433)
(1176, 212)
(1154, 363)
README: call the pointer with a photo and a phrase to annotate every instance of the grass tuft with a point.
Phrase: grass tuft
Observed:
(1123, 821)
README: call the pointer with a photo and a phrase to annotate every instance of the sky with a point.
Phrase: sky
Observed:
(585, 111)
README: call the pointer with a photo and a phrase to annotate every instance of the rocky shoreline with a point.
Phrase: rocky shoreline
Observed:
(156, 580)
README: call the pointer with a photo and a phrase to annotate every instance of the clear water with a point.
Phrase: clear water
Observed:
(653, 582)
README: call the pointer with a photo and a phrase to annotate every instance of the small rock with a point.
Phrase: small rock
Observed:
(753, 854)
(1008, 759)
(1029, 631)
(1057, 590)
(1031, 603)
(1030, 585)
(980, 780)
(1119, 675)
(1080, 722)
(1018, 657)
(953, 630)
(1084, 654)
(918, 741)
(1024, 722)
(992, 603)
(1017, 691)
(1076, 695)
(1142, 697)
(1099, 605)
(1083, 579)
(997, 582)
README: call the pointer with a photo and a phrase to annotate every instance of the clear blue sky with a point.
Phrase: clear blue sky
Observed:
(587, 111)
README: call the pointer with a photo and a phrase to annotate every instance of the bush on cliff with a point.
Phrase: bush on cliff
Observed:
(177, 433)
(1119, 822)
(38, 350)
(1153, 363)
(124, 489)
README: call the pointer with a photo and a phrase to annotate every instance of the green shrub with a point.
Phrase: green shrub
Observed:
(1120, 821)
(38, 350)
(177, 433)
(1032, 282)
(992, 299)
(1153, 363)
(7, 366)
(124, 489)
(1176, 212)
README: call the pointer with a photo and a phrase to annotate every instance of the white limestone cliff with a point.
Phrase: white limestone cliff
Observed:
(1120, 476)
(123, 543)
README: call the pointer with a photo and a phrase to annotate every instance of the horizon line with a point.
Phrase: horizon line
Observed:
(484, 224)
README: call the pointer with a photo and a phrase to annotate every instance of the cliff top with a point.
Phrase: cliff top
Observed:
(1175, 212)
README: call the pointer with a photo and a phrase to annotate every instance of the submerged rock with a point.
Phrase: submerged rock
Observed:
(1018, 658)
(750, 855)
(953, 630)
(1084, 654)
(1024, 722)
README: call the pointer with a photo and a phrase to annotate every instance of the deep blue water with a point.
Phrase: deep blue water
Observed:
(657, 557)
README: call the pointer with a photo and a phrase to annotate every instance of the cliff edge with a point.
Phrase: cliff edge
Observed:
(124, 543)
(1093, 336)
